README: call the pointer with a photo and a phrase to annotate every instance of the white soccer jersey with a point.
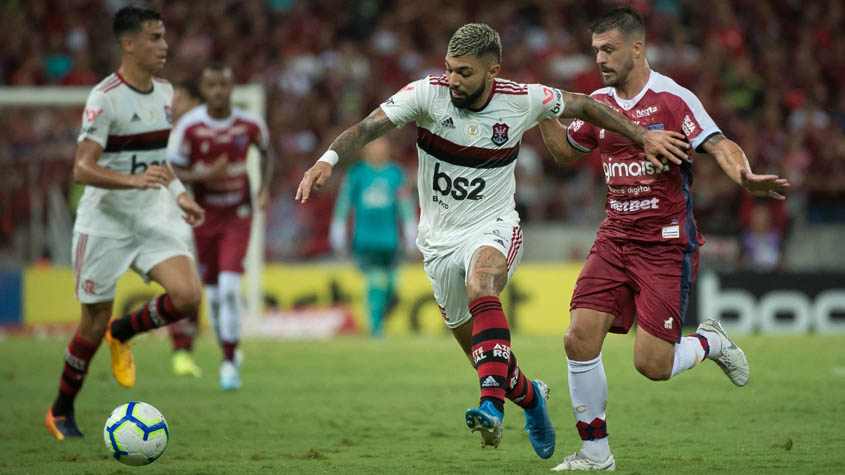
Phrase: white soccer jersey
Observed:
(467, 158)
(132, 127)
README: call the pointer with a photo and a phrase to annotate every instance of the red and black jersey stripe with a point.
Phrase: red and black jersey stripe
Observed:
(465, 156)
(137, 142)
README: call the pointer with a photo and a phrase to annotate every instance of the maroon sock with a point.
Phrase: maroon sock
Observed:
(183, 332)
(156, 313)
(520, 389)
(491, 348)
(229, 348)
(77, 356)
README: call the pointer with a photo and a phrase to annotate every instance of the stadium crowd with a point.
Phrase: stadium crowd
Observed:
(770, 74)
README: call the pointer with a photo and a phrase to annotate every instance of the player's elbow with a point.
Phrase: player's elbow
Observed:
(80, 174)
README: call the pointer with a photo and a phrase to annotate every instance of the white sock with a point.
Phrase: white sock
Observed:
(212, 306)
(715, 344)
(230, 306)
(588, 393)
(687, 354)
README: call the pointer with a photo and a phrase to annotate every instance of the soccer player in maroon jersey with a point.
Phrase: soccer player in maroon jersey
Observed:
(186, 96)
(209, 149)
(125, 214)
(646, 252)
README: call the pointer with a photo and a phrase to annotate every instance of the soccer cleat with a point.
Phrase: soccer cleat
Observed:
(229, 377)
(61, 426)
(487, 420)
(578, 462)
(184, 365)
(541, 433)
(732, 360)
(122, 362)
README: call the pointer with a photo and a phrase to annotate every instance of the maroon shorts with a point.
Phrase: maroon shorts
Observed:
(223, 250)
(648, 282)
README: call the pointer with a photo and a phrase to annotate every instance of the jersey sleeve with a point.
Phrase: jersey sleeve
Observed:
(179, 145)
(545, 102)
(96, 119)
(696, 123)
(581, 135)
(409, 103)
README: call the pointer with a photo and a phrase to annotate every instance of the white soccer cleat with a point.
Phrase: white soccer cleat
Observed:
(732, 360)
(578, 462)
(229, 377)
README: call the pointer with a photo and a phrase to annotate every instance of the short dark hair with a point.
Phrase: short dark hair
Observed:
(191, 88)
(626, 19)
(131, 20)
(216, 66)
(477, 39)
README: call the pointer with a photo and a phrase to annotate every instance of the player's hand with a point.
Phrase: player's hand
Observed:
(194, 214)
(218, 169)
(667, 144)
(772, 186)
(263, 199)
(154, 177)
(314, 178)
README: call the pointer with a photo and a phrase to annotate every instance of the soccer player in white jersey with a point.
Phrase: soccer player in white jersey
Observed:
(469, 125)
(644, 260)
(123, 216)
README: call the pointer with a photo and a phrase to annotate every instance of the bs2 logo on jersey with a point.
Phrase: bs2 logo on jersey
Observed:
(457, 187)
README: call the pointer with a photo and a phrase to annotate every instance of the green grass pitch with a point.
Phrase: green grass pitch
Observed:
(353, 405)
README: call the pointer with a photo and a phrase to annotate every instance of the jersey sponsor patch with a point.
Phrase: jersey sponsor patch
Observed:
(655, 127)
(671, 232)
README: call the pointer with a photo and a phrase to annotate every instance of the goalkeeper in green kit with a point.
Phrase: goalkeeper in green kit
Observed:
(381, 203)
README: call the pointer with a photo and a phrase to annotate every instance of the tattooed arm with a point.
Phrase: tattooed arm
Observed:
(655, 143)
(734, 163)
(347, 146)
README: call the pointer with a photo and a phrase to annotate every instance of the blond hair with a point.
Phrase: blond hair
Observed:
(477, 39)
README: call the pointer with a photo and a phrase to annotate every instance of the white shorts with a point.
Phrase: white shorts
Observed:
(448, 272)
(99, 261)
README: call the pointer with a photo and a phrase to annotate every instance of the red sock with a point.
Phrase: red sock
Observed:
(520, 389)
(77, 356)
(183, 332)
(156, 313)
(491, 348)
(229, 349)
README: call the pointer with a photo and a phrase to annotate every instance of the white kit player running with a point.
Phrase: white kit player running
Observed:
(122, 217)
(469, 126)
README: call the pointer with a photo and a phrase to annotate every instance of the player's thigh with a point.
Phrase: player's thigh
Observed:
(98, 262)
(233, 246)
(167, 260)
(208, 250)
(447, 277)
(664, 275)
(491, 257)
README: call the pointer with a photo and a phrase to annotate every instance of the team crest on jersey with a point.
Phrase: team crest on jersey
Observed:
(241, 141)
(500, 134)
(168, 112)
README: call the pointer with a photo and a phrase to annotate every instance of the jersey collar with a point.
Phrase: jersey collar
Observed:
(628, 104)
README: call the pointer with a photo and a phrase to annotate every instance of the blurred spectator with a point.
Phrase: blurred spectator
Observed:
(761, 246)
(770, 73)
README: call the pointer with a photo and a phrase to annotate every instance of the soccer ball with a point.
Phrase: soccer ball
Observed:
(136, 433)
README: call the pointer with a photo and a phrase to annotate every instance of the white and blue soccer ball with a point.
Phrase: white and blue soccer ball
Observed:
(136, 433)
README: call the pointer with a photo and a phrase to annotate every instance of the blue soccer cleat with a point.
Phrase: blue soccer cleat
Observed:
(541, 433)
(487, 420)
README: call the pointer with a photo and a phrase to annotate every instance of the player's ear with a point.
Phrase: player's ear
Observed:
(127, 42)
(638, 48)
(494, 69)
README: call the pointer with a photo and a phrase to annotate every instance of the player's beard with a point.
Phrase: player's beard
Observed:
(620, 76)
(468, 100)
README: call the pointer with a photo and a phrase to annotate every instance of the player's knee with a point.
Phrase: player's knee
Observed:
(653, 370)
(580, 345)
(475, 291)
(187, 299)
